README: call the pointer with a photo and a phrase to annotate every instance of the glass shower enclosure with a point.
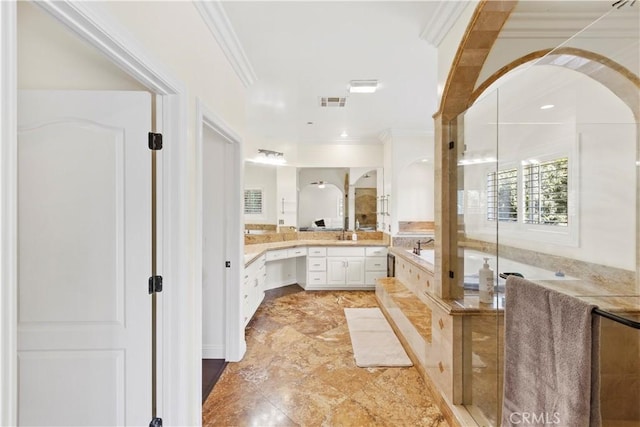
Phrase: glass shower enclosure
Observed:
(547, 188)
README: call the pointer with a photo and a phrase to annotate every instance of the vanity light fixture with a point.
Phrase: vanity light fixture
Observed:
(269, 157)
(547, 107)
(320, 184)
(363, 86)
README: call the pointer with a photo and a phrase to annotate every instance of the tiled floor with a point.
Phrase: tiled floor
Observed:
(299, 371)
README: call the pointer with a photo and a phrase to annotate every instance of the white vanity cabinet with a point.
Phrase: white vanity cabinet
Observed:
(255, 275)
(345, 271)
(316, 267)
(345, 267)
(375, 264)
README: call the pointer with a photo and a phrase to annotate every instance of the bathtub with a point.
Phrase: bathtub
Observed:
(473, 261)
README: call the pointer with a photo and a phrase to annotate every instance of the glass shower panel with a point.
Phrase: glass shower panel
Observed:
(547, 187)
(481, 188)
(605, 57)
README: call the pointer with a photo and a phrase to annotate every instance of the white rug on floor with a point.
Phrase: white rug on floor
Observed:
(374, 342)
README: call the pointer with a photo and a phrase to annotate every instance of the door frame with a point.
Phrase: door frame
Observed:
(235, 344)
(175, 324)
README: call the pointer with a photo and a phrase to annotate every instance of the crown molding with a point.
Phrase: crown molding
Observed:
(216, 19)
(446, 14)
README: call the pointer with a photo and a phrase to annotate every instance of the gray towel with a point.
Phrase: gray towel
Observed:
(551, 361)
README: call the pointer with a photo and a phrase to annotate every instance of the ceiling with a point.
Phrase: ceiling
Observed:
(301, 51)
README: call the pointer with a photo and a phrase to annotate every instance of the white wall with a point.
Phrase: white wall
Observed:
(595, 128)
(415, 198)
(262, 177)
(51, 57)
(334, 155)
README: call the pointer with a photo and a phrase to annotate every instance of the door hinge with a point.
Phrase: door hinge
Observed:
(155, 141)
(155, 284)
(451, 145)
(451, 275)
(156, 422)
(227, 264)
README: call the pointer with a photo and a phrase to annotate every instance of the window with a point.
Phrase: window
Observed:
(546, 192)
(253, 202)
(502, 195)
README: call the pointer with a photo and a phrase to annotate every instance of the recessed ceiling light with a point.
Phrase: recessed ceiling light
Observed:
(309, 123)
(344, 134)
(424, 160)
(547, 106)
(363, 86)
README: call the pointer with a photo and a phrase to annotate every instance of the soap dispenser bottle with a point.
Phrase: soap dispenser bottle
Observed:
(486, 283)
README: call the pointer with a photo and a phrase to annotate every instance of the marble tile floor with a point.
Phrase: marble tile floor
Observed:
(299, 371)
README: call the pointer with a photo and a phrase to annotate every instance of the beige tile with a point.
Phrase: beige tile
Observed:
(299, 370)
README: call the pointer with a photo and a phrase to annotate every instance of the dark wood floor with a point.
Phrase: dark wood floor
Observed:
(211, 371)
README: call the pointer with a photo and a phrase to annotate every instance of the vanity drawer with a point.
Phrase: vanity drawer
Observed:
(375, 264)
(317, 252)
(316, 264)
(274, 255)
(317, 278)
(376, 251)
(296, 252)
(340, 251)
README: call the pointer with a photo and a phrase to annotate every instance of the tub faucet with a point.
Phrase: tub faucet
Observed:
(418, 249)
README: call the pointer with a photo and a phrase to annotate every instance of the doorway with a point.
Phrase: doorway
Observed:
(220, 170)
(122, 52)
(213, 256)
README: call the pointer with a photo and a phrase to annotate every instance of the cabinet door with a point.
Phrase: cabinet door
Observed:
(336, 271)
(355, 271)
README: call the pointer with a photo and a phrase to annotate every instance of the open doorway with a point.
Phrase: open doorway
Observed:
(221, 242)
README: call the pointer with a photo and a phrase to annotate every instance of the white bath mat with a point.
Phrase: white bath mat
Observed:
(373, 340)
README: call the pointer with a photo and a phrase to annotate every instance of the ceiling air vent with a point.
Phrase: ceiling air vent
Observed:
(332, 101)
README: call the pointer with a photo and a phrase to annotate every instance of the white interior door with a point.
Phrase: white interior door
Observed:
(84, 237)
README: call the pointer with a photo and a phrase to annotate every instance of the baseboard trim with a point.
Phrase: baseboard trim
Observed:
(213, 352)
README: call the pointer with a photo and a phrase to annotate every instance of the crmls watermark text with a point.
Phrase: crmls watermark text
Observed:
(524, 418)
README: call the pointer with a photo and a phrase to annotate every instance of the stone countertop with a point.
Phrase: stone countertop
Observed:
(254, 251)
